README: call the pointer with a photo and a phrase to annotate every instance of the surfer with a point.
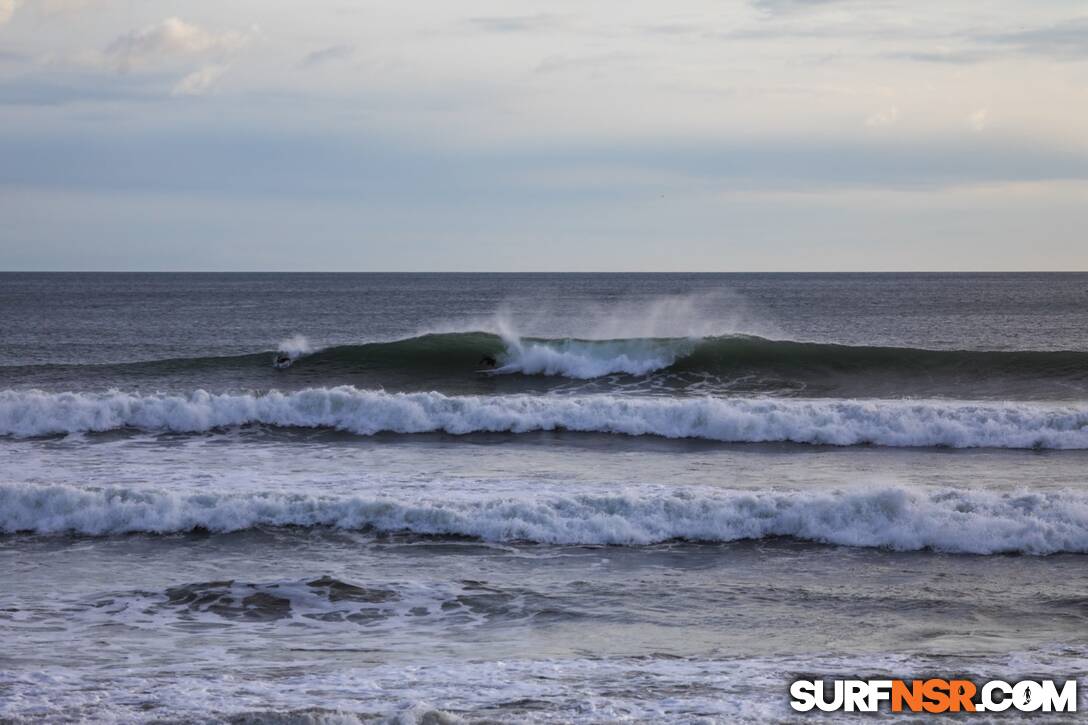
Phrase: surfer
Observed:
(489, 362)
(282, 360)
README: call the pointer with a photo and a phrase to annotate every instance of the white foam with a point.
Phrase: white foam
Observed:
(899, 518)
(820, 421)
(585, 359)
(726, 689)
(635, 336)
(389, 607)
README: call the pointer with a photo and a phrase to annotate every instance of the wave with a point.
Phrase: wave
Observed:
(586, 359)
(462, 353)
(900, 423)
(726, 356)
(723, 355)
(903, 519)
(465, 352)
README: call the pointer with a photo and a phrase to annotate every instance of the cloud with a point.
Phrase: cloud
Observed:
(789, 6)
(42, 7)
(584, 63)
(979, 120)
(883, 117)
(199, 82)
(280, 164)
(61, 7)
(519, 23)
(952, 57)
(1068, 40)
(54, 87)
(325, 55)
(7, 9)
(172, 37)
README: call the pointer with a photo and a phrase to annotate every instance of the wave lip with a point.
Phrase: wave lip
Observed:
(902, 519)
(897, 423)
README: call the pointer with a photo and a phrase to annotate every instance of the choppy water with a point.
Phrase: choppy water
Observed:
(532, 497)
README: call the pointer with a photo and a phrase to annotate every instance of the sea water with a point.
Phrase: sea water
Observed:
(541, 498)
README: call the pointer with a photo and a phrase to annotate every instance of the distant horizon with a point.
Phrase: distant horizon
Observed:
(543, 272)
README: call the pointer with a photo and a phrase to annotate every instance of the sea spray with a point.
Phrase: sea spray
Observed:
(711, 313)
(631, 336)
(295, 347)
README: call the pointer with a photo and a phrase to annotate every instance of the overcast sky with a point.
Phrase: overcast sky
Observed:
(730, 135)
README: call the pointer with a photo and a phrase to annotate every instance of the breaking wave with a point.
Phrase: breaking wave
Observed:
(904, 519)
(899, 423)
(462, 353)
(585, 359)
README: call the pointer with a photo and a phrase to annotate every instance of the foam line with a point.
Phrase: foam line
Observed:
(905, 519)
(366, 412)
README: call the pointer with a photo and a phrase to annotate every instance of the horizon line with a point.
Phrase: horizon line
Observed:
(542, 272)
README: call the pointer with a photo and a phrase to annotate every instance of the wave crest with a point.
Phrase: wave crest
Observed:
(735, 420)
(952, 520)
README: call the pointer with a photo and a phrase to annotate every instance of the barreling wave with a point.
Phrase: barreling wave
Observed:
(723, 355)
(458, 353)
(900, 423)
(950, 520)
(461, 353)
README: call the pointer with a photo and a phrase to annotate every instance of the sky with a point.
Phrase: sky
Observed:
(725, 135)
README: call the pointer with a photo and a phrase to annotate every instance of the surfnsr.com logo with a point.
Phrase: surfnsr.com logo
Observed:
(933, 696)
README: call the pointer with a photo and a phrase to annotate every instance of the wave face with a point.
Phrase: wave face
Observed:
(722, 355)
(896, 423)
(954, 520)
(744, 351)
(458, 352)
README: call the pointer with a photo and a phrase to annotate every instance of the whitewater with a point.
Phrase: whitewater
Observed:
(958, 424)
(902, 519)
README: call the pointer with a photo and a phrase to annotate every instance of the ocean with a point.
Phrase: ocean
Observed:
(439, 498)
